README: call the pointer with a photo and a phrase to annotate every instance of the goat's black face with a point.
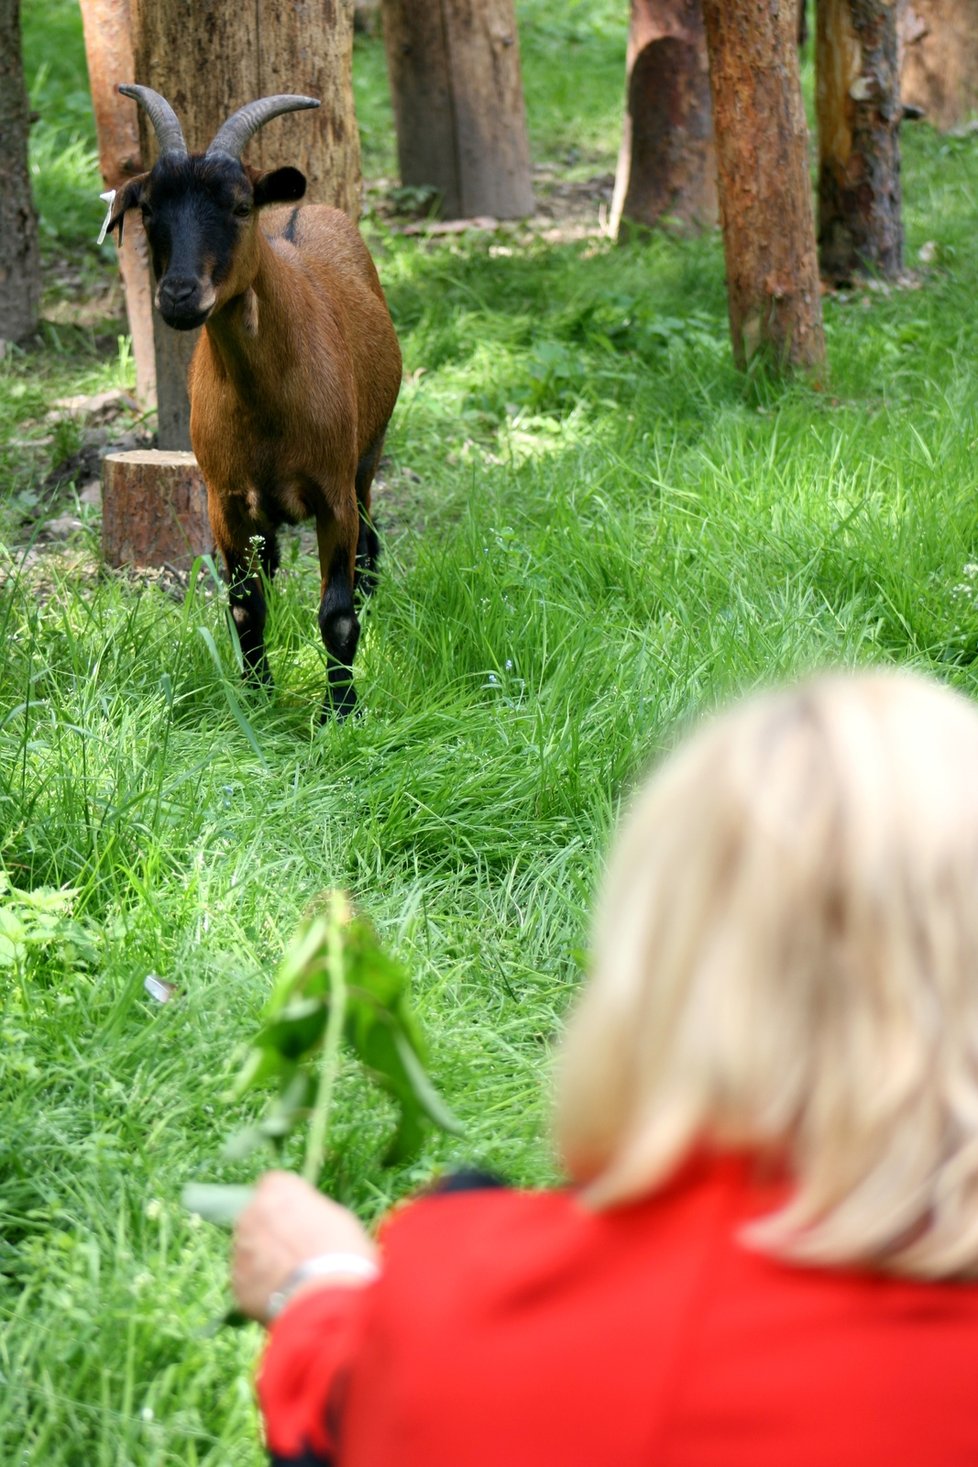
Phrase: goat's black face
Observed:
(195, 211)
(198, 213)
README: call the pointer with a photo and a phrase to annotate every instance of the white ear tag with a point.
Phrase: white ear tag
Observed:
(109, 198)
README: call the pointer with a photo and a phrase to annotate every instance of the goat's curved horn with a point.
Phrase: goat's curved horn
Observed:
(161, 115)
(243, 124)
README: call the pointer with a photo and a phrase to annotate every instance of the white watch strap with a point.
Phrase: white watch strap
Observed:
(323, 1266)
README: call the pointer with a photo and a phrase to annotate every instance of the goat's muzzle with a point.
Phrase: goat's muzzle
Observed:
(184, 302)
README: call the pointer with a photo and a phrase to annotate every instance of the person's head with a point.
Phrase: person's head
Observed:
(786, 963)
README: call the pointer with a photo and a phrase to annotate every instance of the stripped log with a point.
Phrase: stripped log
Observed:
(108, 51)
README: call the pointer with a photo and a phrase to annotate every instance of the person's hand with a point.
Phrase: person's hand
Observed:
(286, 1223)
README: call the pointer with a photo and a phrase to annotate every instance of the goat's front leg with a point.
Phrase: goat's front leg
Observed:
(337, 538)
(249, 566)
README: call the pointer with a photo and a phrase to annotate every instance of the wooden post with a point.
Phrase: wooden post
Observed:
(207, 60)
(765, 193)
(458, 104)
(667, 164)
(108, 51)
(860, 229)
(154, 509)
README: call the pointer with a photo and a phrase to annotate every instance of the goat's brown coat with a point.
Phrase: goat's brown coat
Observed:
(293, 381)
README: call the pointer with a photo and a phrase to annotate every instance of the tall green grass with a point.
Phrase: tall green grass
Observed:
(594, 531)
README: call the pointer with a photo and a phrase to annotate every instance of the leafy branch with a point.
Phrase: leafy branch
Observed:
(335, 986)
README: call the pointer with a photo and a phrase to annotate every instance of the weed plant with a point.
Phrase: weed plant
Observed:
(594, 531)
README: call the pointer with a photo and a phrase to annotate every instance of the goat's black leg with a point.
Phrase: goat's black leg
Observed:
(368, 541)
(338, 621)
(248, 572)
(368, 553)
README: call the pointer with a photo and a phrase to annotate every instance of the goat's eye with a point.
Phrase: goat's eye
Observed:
(241, 211)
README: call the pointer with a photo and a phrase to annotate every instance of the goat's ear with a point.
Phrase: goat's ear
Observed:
(281, 186)
(128, 198)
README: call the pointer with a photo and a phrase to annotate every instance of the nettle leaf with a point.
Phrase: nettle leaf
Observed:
(260, 1066)
(278, 1122)
(407, 1139)
(421, 1087)
(303, 965)
(297, 1029)
(372, 969)
(40, 918)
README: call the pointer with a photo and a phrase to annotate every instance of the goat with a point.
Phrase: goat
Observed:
(295, 375)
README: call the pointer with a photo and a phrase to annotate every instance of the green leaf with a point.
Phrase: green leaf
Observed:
(422, 1088)
(278, 1123)
(216, 1202)
(406, 1141)
(240, 1146)
(303, 965)
(260, 1065)
(296, 1030)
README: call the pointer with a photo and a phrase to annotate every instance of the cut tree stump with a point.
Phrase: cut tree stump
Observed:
(154, 509)
(667, 166)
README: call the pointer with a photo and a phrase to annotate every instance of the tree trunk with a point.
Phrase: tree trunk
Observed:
(208, 60)
(458, 104)
(765, 194)
(858, 99)
(667, 164)
(939, 67)
(108, 51)
(20, 263)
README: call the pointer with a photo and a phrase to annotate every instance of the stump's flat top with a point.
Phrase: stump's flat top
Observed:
(175, 457)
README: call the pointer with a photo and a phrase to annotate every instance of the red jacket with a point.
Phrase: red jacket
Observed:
(517, 1329)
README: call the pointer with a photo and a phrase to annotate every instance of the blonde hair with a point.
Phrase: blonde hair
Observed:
(786, 962)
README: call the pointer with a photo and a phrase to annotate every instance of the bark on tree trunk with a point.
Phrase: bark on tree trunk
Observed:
(20, 263)
(939, 66)
(860, 229)
(108, 51)
(765, 194)
(454, 70)
(667, 163)
(154, 509)
(209, 60)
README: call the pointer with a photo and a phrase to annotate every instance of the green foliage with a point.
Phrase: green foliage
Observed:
(573, 60)
(39, 923)
(336, 981)
(63, 157)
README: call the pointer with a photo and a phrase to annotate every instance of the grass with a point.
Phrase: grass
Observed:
(594, 531)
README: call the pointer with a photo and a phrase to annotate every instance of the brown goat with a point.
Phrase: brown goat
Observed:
(296, 373)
